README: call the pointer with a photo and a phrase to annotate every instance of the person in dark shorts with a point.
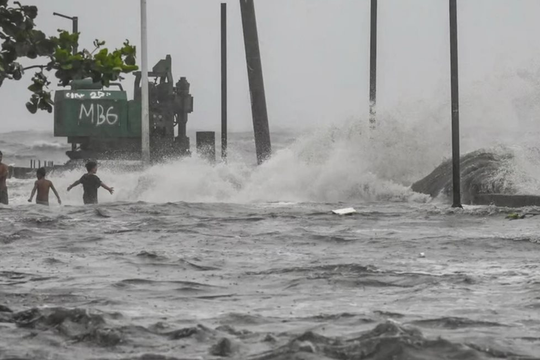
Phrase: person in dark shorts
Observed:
(4, 173)
(91, 183)
(42, 186)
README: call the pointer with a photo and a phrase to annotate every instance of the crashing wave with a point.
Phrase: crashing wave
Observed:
(498, 175)
(481, 172)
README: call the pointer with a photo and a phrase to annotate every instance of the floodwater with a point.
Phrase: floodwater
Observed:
(189, 260)
(267, 281)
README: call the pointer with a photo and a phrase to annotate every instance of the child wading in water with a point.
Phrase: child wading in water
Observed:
(42, 186)
(91, 183)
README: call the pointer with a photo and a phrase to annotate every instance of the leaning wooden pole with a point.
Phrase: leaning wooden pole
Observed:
(456, 172)
(256, 82)
(373, 67)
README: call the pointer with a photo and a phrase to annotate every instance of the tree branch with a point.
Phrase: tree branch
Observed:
(35, 67)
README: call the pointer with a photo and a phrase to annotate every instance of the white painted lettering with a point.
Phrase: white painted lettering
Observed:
(98, 114)
(97, 95)
(112, 118)
(74, 96)
(89, 114)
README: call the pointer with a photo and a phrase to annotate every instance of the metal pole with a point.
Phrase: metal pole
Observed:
(145, 103)
(456, 174)
(75, 21)
(75, 31)
(256, 81)
(224, 81)
(373, 66)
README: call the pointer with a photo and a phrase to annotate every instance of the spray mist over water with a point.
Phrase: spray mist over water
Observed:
(337, 164)
(347, 162)
(333, 165)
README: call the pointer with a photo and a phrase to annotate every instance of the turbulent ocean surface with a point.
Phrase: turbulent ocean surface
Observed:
(189, 260)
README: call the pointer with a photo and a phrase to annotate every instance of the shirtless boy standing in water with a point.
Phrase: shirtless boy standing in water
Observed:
(4, 172)
(42, 187)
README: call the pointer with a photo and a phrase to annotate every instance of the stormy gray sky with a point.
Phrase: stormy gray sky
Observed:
(315, 53)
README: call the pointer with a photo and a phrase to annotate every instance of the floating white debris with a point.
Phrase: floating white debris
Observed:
(347, 211)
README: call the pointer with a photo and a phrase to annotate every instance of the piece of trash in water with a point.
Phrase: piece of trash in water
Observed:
(347, 211)
(515, 216)
(422, 255)
(102, 213)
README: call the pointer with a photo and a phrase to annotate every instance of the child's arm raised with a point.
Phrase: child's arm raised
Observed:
(33, 192)
(78, 182)
(109, 189)
(56, 193)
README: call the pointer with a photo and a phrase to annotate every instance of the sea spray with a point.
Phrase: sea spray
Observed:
(343, 162)
(338, 164)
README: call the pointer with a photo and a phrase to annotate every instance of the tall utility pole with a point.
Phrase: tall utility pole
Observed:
(224, 81)
(373, 66)
(256, 81)
(456, 172)
(145, 101)
(75, 30)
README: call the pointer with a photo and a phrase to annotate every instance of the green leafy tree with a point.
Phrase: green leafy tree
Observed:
(20, 40)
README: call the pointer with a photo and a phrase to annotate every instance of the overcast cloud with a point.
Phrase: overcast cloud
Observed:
(315, 53)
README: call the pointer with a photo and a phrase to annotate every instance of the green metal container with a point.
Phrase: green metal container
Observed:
(90, 112)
